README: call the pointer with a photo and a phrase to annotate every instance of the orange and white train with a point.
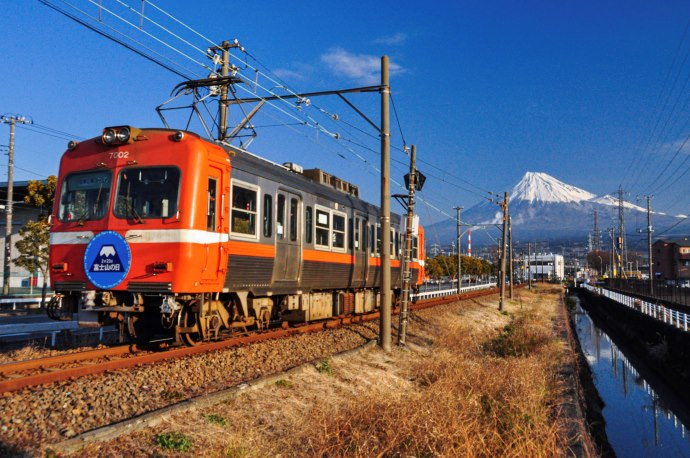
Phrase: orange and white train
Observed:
(163, 232)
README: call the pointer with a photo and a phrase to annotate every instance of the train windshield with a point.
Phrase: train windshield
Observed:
(147, 192)
(85, 196)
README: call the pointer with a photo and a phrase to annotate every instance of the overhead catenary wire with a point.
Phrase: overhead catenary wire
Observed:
(114, 39)
(665, 89)
(295, 112)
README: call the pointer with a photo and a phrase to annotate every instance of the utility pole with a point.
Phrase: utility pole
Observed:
(649, 246)
(529, 265)
(385, 325)
(407, 258)
(613, 252)
(510, 256)
(621, 232)
(597, 233)
(459, 251)
(11, 120)
(504, 207)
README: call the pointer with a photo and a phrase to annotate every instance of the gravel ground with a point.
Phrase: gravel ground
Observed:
(34, 417)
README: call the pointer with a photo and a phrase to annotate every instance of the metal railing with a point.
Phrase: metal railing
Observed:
(657, 311)
(452, 291)
(13, 302)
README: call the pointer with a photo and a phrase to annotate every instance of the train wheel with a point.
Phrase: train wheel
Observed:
(189, 320)
(263, 319)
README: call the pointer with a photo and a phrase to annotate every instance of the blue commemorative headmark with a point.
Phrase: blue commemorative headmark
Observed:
(107, 260)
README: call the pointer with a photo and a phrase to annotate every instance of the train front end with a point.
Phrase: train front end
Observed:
(136, 225)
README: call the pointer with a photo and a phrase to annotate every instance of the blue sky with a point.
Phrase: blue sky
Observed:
(585, 91)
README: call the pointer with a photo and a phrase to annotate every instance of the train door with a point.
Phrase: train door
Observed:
(213, 242)
(288, 261)
(359, 251)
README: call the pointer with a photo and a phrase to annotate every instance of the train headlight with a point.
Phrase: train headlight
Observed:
(119, 135)
(122, 134)
(108, 136)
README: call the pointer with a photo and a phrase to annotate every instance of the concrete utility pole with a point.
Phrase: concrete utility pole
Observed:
(649, 246)
(459, 251)
(529, 265)
(613, 252)
(510, 257)
(385, 324)
(11, 120)
(502, 279)
(407, 257)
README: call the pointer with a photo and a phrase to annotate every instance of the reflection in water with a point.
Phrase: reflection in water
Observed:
(639, 422)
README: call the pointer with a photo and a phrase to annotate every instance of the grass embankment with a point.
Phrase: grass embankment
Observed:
(474, 382)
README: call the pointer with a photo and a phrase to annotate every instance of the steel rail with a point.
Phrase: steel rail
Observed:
(14, 384)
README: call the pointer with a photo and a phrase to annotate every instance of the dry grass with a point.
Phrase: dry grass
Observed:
(474, 383)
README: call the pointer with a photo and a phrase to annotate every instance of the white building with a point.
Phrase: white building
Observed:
(543, 266)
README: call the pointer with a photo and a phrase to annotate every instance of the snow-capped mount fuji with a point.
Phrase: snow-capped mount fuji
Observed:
(545, 208)
(540, 187)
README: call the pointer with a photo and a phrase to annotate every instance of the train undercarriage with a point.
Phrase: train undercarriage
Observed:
(194, 318)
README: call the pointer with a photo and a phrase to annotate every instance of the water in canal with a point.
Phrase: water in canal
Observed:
(640, 420)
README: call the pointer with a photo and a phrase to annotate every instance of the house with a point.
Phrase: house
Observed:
(21, 213)
(672, 258)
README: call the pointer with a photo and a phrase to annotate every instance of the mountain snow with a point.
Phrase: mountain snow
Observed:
(541, 187)
(544, 208)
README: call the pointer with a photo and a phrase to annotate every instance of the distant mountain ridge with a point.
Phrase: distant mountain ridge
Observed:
(545, 208)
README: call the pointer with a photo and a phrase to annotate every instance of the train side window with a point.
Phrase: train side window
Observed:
(308, 222)
(244, 212)
(365, 233)
(379, 235)
(294, 208)
(268, 215)
(354, 234)
(338, 231)
(323, 226)
(211, 205)
(414, 247)
(391, 241)
(372, 239)
(280, 217)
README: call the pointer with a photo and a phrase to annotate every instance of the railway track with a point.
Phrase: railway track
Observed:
(22, 374)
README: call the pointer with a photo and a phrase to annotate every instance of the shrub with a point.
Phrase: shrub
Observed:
(324, 367)
(174, 441)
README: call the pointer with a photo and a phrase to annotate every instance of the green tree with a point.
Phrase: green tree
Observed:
(35, 235)
(41, 194)
(33, 249)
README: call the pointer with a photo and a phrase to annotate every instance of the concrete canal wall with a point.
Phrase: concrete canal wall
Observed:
(663, 347)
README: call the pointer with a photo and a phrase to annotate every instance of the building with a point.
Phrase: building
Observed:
(672, 258)
(543, 266)
(21, 212)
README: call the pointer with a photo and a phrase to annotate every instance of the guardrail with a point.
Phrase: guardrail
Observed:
(656, 311)
(450, 292)
(14, 301)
